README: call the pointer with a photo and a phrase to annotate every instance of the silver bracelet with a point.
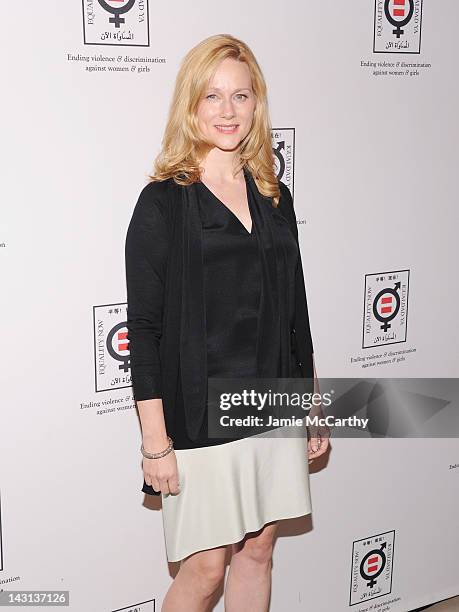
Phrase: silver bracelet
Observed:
(160, 454)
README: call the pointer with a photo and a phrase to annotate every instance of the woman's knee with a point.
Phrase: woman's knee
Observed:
(208, 566)
(259, 547)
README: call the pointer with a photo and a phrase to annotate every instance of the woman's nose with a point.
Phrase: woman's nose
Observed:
(227, 108)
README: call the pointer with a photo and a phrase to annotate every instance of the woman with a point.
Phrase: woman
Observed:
(215, 289)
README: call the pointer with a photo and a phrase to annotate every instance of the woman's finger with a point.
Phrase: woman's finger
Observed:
(317, 447)
(165, 487)
(314, 444)
(321, 450)
(174, 485)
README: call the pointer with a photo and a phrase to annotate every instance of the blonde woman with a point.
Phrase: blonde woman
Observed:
(215, 289)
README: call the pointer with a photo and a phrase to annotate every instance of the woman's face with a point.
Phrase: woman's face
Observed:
(225, 111)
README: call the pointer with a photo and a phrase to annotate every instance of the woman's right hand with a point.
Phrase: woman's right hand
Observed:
(162, 474)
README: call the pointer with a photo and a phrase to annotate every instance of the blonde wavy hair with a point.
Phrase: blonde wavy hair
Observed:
(183, 146)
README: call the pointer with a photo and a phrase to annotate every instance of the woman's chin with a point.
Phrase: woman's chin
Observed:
(227, 145)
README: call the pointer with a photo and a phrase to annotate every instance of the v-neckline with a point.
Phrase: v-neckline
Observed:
(251, 233)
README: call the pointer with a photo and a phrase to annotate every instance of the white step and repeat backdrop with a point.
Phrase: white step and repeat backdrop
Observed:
(363, 100)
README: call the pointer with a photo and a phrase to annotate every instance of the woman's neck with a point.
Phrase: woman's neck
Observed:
(219, 166)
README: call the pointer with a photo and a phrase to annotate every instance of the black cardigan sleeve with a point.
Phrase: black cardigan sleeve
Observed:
(301, 303)
(146, 250)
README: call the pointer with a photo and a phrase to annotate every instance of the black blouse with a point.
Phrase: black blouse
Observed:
(232, 286)
(232, 289)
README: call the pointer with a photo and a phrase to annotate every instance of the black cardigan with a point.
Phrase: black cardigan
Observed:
(165, 297)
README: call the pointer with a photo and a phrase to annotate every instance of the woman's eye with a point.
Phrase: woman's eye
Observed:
(238, 96)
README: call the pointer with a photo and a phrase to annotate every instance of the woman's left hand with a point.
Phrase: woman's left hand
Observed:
(318, 441)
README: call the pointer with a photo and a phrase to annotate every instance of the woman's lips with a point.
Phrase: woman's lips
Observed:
(227, 129)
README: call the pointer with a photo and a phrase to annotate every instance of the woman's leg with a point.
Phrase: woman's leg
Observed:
(196, 582)
(248, 586)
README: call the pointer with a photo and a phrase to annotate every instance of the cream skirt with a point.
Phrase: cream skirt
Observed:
(235, 488)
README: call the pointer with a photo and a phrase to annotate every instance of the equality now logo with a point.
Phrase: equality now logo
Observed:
(111, 347)
(116, 22)
(397, 26)
(385, 308)
(372, 564)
